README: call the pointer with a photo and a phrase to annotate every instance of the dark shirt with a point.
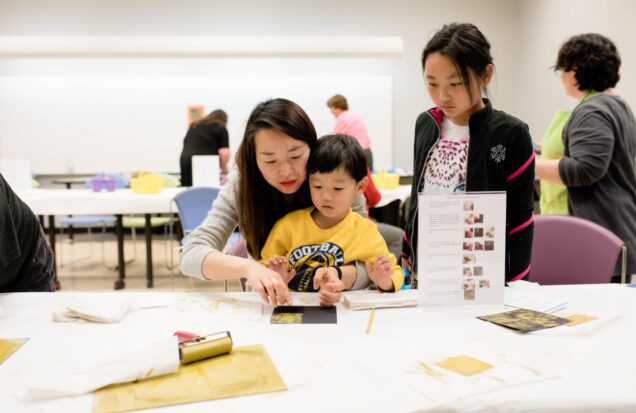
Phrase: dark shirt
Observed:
(598, 167)
(26, 260)
(500, 158)
(203, 139)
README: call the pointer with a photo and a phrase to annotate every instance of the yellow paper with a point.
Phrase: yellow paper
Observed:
(246, 370)
(464, 365)
(576, 319)
(8, 347)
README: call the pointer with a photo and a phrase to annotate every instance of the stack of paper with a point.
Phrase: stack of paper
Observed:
(532, 300)
(363, 300)
(112, 310)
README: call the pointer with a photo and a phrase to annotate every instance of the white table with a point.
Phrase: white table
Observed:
(51, 202)
(402, 192)
(330, 368)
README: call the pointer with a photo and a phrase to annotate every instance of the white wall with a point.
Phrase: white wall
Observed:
(414, 21)
(545, 25)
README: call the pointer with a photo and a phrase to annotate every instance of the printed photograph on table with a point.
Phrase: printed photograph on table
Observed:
(469, 205)
(468, 271)
(304, 315)
(468, 246)
(479, 218)
(468, 233)
(469, 259)
(484, 283)
(469, 289)
(490, 232)
(477, 271)
(469, 219)
(489, 245)
(525, 321)
(479, 232)
(479, 246)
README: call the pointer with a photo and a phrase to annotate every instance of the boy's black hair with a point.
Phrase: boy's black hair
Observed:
(338, 151)
(594, 59)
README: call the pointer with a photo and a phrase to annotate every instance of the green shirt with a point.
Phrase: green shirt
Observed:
(554, 197)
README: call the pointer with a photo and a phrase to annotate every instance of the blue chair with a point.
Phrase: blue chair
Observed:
(193, 206)
(90, 221)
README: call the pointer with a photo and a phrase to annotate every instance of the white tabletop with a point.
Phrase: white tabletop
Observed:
(340, 367)
(87, 202)
(388, 195)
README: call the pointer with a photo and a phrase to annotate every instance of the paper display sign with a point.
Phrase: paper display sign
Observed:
(461, 253)
(206, 170)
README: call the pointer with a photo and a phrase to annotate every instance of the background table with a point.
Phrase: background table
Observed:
(51, 202)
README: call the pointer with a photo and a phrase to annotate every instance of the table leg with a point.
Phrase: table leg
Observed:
(58, 286)
(149, 274)
(120, 283)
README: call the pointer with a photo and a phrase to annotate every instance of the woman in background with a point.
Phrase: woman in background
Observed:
(207, 136)
(598, 166)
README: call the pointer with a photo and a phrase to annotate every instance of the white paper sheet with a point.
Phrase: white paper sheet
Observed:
(150, 360)
(532, 299)
(111, 310)
(206, 170)
(365, 299)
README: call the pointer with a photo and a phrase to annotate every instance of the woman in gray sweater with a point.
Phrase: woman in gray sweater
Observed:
(598, 166)
(271, 181)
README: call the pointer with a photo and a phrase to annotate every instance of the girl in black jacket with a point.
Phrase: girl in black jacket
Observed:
(463, 144)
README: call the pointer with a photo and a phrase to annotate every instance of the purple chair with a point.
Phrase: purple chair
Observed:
(570, 250)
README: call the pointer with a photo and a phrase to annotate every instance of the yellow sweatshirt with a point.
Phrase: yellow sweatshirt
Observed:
(308, 247)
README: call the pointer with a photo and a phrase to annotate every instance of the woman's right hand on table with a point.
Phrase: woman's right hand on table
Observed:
(269, 284)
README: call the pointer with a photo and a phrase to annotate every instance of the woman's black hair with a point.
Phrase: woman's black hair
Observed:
(594, 59)
(260, 204)
(465, 45)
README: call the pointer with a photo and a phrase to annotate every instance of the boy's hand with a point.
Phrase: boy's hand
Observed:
(330, 286)
(380, 273)
(279, 264)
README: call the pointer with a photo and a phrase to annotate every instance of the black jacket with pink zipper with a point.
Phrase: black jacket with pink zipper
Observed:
(500, 158)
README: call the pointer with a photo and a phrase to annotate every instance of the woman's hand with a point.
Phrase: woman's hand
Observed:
(330, 286)
(380, 273)
(269, 284)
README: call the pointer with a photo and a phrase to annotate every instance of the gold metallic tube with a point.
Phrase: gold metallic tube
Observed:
(205, 347)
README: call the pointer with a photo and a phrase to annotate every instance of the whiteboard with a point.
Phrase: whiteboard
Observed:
(91, 124)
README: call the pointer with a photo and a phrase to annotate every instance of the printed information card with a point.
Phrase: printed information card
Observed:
(461, 253)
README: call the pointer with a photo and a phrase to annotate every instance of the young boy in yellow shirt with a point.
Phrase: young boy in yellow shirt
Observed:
(311, 247)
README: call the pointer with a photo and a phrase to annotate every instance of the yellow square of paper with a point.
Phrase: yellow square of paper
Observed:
(8, 347)
(464, 365)
(576, 319)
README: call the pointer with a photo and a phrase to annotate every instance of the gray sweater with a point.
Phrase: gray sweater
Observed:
(599, 167)
(222, 220)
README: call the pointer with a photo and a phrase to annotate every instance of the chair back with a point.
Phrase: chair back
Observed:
(570, 250)
(389, 213)
(193, 205)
